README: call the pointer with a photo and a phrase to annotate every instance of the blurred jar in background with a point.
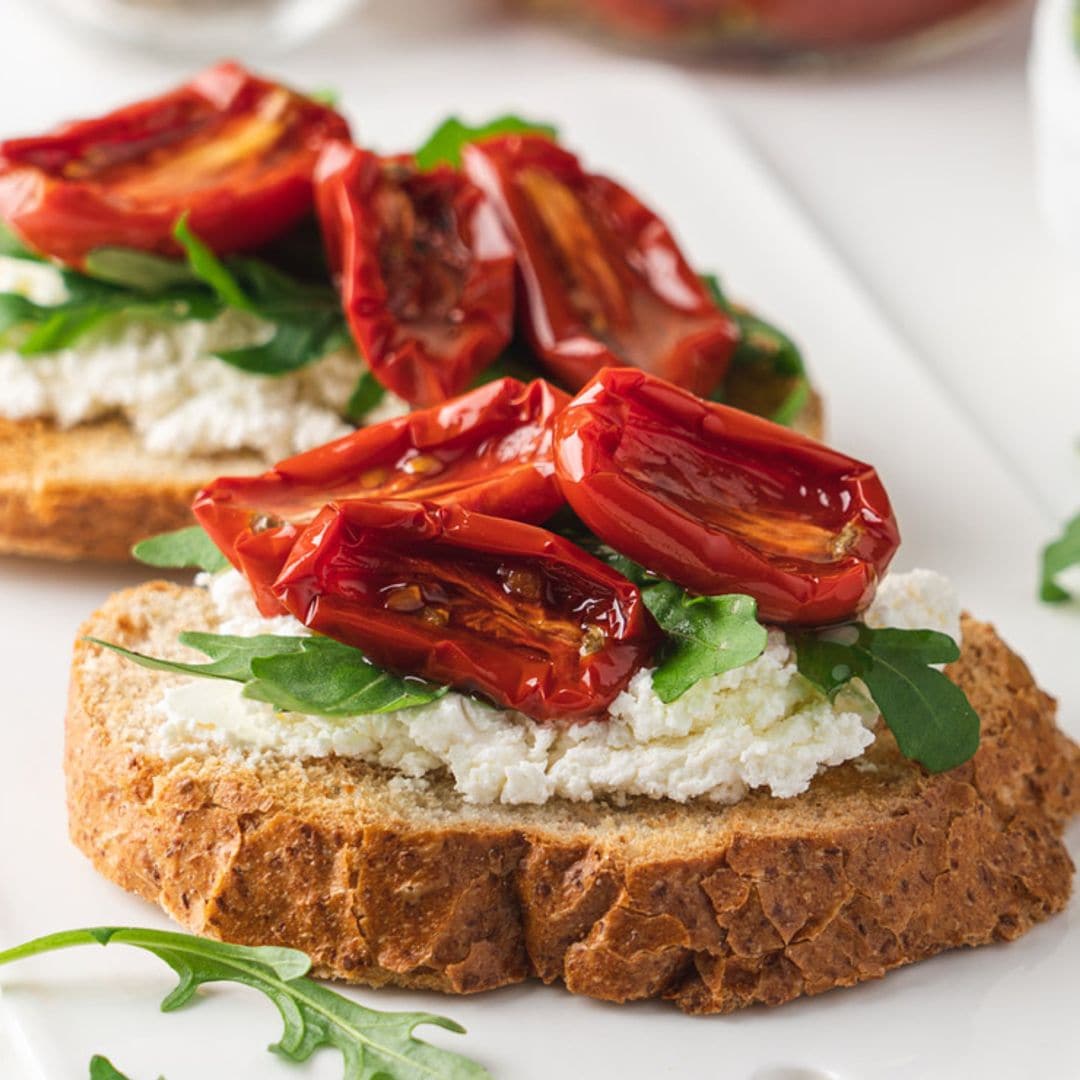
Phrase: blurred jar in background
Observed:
(779, 29)
(209, 29)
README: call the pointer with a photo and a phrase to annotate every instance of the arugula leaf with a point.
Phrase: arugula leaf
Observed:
(328, 678)
(230, 656)
(209, 269)
(184, 549)
(89, 303)
(140, 271)
(13, 247)
(366, 395)
(706, 636)
(316, 676)
(767, 374)
(373, 1045)
(930, 715)
(308, 320)
(444, 145)
(515, 361)
(101, 1068)
(1057, 557)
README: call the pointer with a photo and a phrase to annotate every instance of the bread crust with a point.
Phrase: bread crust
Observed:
(90, 492)
(715, 908)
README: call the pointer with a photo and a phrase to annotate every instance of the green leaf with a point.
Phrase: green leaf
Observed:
(367, 393)
(13, 247)
(373, 1045)
(308, 321)
(209, 269)
(231, 657)
(140, 271)
(1057, 557)
(706, 636)
(15, 310)
(295, 344)
(445, 143)
(327, 678)
(184, 549)
(767, 374)
(306, 317)
(929, 715)
(315, 676)
(101, 1068)
(515, 361)
(326, 95)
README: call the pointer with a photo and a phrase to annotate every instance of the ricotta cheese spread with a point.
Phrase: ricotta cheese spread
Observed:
(759, 726)
(163, 378)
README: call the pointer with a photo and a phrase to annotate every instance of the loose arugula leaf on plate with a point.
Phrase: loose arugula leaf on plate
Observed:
(316, 676)
(929, 715)
(706, 636)
(373, 1045)
(1057, 557)
(444, 145)
(101, 1068)
(184, 549)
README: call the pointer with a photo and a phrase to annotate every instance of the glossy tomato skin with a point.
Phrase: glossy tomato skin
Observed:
(489, 450)
(425, 271)
(603, 281)
(482, 604)
(234, 152)
(721, 501)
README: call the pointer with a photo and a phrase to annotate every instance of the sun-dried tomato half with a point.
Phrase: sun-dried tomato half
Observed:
(489, 450)
(425, 271)
(482, 604)
(603, 280)
(721, 501)
(234, 152)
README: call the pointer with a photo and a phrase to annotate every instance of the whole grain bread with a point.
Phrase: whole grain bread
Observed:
(92, 491)
(878, 864)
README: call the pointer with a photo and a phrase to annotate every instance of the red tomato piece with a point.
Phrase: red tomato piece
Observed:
(489, 451)
(721, 501)
(603, 280)
(425, 271)
(479, 603)
(235, 152)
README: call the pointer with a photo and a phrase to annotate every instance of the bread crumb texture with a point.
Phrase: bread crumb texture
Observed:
(878, 864)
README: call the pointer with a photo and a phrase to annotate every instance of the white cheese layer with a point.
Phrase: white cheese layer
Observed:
(761, 725)
(163, 378)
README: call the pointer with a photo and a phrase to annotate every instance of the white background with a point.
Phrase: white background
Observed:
(920, 181)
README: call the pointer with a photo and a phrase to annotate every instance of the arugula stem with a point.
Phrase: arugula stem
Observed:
(65, 939)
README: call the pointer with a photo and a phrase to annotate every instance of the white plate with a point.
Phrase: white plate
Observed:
(1000, 1012)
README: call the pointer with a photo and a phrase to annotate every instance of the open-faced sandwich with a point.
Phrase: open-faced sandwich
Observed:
(614, 690)
(211, 280)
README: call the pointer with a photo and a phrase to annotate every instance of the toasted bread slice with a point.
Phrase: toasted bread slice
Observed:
(877, 865)
(92, 491)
